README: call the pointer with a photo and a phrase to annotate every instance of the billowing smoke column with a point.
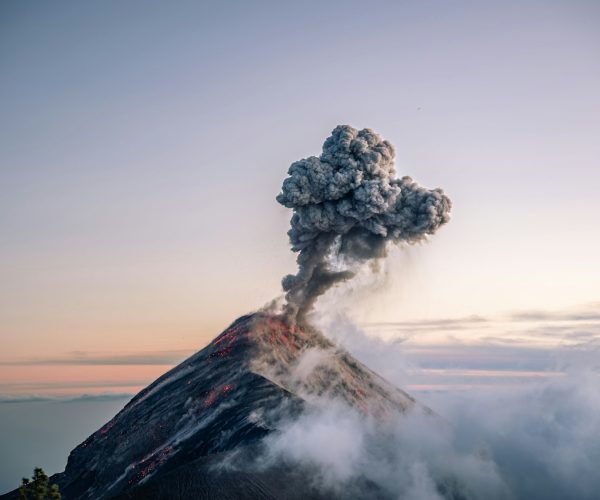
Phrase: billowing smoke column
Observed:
(348, 204)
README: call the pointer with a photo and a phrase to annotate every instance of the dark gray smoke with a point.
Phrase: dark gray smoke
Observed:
(348, 204)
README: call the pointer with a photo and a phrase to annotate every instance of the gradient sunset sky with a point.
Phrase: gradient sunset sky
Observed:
(143, 145)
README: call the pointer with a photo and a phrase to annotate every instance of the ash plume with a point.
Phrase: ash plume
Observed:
(347, 206)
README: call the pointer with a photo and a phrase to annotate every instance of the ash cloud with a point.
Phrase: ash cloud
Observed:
(347, 206)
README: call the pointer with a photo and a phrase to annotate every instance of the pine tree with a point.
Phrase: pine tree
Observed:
(37, 488)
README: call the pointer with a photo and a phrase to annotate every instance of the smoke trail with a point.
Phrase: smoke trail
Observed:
(348, 204)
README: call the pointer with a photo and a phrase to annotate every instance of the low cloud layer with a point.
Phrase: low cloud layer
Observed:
(544, 440)
(408, 457)
(80, 358)
(110, 396)
(538, 443)
(539, 440)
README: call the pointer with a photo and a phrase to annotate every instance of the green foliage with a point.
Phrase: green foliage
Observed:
(37, 488)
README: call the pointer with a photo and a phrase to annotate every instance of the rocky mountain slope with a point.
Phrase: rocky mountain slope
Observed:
(169, 440)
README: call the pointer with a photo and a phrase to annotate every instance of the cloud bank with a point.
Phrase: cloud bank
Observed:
(534, 441)
(407, 457)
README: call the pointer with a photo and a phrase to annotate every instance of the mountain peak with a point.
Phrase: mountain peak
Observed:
(223, 399)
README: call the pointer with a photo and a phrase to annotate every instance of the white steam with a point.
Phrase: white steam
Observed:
(533, 442)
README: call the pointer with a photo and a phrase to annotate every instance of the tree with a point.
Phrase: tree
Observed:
(37, 488)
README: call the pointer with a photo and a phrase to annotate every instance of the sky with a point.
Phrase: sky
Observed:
(142, 145)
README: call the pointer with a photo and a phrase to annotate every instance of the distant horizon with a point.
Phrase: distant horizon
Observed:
(540, 344)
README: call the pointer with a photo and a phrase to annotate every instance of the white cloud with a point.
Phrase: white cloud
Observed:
(539, 440)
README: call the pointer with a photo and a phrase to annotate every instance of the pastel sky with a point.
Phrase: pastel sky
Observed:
(143, 145)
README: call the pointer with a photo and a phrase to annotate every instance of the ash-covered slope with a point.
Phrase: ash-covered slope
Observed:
(224, 398)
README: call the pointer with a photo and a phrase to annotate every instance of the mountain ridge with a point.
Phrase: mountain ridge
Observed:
(223, 400)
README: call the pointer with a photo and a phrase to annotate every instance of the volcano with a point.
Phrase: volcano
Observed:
(172, 439)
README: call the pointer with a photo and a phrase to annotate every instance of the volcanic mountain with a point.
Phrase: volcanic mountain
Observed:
(172, 439)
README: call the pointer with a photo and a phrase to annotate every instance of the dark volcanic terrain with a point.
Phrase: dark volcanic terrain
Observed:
(171, 439)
